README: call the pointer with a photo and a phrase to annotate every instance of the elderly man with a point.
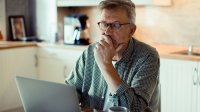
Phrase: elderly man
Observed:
(118, 70)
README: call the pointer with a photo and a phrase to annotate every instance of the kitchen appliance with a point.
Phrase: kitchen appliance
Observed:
(76, 29)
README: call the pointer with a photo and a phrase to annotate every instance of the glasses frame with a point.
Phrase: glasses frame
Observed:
(111, 25)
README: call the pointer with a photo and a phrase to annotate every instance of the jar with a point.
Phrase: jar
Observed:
(1, 36)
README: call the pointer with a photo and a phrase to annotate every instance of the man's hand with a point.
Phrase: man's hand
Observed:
(104, 51)
(103, 54)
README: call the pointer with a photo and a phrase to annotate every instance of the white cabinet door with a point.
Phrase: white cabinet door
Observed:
(69, 57)
(194, 89)
(177, 90)
(3, 78)
(18, 61)
(50, 69)
(198, 92)
(55, 64)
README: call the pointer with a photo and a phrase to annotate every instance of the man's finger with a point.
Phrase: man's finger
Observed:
(108, 39)
(98, 45)
(120, 47)
(103, 43)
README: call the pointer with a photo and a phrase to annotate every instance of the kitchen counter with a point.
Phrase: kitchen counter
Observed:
(9, 44)
(62, 46)
(165, 51)
(171, 51)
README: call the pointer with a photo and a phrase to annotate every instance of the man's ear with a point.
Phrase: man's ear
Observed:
(133, 29)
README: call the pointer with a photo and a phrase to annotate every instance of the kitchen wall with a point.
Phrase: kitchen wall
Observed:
(17, 7)
(177, 24)
(40, 17)
(13, 8)
(2, 19)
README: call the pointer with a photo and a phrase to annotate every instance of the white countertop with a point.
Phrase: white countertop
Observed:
(165, 51)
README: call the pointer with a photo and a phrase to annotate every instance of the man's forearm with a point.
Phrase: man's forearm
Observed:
(111, 76)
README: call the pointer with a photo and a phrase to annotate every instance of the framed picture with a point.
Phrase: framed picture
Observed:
(17, 26)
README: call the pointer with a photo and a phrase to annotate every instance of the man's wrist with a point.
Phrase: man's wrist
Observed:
(106, 66)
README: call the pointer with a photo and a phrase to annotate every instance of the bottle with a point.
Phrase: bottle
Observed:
(190, 50)
(1, 36)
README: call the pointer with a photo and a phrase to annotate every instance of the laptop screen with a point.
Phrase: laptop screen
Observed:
(44, 96)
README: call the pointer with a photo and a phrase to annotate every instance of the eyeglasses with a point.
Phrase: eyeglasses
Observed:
(115, 25)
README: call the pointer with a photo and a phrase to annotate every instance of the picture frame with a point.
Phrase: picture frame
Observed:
(17, 26)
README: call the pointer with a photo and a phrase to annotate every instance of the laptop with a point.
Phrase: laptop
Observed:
(44, 96)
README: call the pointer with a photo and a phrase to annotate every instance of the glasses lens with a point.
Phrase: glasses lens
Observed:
(103, 25)
(116, 26)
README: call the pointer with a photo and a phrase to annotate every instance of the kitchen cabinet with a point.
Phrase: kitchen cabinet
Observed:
(179, 85)
(16, 61)
(54, 64)
(152, 2)
(45, 19)
(78, 3)
(196, 86)
(162, 2)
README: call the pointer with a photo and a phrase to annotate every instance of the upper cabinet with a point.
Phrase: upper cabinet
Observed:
(77, 3)
(162, 2)
(152, 2)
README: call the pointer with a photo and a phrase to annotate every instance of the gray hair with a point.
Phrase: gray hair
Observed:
(127, 5)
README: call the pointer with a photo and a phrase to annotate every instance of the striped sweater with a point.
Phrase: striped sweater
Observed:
(138, 68)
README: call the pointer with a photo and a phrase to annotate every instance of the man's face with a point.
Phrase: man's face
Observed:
(124, 33)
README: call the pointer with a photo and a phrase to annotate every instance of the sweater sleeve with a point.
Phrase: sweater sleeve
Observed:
(75, 78)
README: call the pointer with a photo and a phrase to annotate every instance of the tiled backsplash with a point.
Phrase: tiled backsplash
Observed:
(14, 8)
(177, 24)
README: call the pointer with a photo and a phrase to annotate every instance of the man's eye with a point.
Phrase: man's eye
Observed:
(105, 25)
(116, 25)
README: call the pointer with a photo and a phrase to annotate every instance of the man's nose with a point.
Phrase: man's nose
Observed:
(109, 30)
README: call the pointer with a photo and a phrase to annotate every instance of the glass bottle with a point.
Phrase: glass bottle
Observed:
(1, 36)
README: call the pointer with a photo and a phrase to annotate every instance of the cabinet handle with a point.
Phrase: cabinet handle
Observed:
(198, 77)
(64, 72)
(36, 60)
(195, 77)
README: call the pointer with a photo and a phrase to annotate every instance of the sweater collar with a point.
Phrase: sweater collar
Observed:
(129, 51)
